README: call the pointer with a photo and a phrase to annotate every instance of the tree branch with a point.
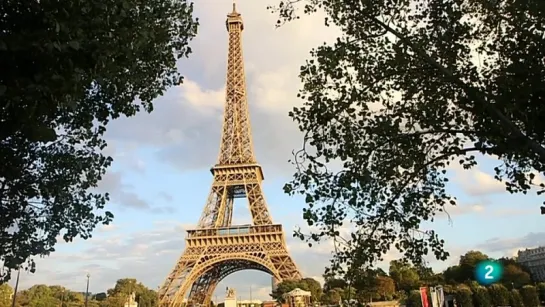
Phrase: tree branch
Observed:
(469, 90)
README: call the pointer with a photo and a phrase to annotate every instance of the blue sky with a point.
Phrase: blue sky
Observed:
(160, 179)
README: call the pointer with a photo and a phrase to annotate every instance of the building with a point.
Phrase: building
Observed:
(249, 303)
(534, 260)
(298, 298)
(273, 304)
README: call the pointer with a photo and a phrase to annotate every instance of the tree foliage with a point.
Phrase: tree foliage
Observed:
(331, 283)
(467, 264)
(5, 295)
(68, 68)
(481, 297)
(541, 291)
(403, 281)
(414, 300)
(515, 298)
(464, 296)
(385, 288)
(405, 275)
(283, 288)
(499, 295)
(100, 296)
(54, 296)
(314, 287)
(115, 301)
(409, 88)
(125, 287)
(515, 275)
(332, 297)
(370, 284)
(307, 284)
(50, 296)
(530, 296)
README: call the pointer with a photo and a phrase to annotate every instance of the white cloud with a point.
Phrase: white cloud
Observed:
(107, 228)
(484, 209)
(475, 182)
(511, 244)
(461, 209)
(125, 196)
(184, 128)
(125, 156)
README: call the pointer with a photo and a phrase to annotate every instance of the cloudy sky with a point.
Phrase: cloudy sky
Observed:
(160, 179)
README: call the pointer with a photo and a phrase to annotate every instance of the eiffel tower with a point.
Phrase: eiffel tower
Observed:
(217, 248)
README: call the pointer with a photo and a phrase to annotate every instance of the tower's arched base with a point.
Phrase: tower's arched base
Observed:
(203, 288)
(209, 257)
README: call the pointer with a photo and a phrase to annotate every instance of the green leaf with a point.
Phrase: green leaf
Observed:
(74, 45)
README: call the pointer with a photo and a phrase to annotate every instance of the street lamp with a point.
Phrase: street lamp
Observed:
(15, 289)
(542, 209)
(87, 291)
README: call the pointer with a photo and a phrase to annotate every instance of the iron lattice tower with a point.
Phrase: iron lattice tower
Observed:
(217, 248)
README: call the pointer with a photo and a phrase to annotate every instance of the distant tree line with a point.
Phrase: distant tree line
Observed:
(403, 280)
(55, 296)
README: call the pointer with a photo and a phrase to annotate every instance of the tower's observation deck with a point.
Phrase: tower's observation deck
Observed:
(235, 231)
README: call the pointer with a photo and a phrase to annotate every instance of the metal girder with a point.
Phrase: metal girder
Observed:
(217, 248)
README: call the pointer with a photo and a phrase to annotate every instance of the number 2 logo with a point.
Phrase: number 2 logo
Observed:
(489, 270)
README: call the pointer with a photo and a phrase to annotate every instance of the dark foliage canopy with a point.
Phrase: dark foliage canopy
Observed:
(409, 88)
(66, 69)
